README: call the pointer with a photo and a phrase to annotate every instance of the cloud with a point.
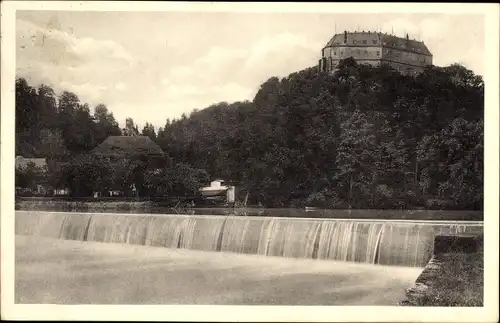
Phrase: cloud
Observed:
(120, 86)
(86, 90)
(401, 26)
(150, 77)
(281, 55)
(443, 34)
(68, 63)
(242, 69)
(220, 74)
(91, 48)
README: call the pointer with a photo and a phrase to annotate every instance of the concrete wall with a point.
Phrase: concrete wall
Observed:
(69, 205)
(454, 274)
(397, 243)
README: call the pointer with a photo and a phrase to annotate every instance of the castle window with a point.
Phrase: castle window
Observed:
(374, 41)
(364, 41)
(341, 53)
(354, 41)
(378, 53)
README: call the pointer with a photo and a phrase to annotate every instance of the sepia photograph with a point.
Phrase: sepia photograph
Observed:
(249, 158)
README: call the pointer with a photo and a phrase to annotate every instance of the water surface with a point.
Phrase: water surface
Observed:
(457, 215)
(50, 271)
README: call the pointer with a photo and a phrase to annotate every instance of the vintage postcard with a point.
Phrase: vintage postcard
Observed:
(182, 161)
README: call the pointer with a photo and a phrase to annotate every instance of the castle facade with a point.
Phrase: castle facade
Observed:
(374, 48)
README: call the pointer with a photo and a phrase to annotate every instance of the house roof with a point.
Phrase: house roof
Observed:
(22, 162)
(369, 39)
(128, 145)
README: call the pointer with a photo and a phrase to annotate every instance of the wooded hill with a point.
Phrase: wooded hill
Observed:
(362, 137)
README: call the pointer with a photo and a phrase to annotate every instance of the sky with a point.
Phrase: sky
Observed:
(151, 66)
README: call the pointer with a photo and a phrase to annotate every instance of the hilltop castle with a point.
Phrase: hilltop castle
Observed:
(374, 48)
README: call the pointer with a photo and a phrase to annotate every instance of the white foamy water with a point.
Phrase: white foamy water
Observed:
(75, 272)
(399, 243)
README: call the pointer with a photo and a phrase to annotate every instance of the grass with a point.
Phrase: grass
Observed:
(458, 280)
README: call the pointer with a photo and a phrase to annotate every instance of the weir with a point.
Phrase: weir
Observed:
(393, 242)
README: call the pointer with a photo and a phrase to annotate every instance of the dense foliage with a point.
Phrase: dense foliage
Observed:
(362, 137)
(63, 130)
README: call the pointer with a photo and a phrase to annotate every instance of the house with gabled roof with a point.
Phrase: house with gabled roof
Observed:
(119, 148)
(22, 162)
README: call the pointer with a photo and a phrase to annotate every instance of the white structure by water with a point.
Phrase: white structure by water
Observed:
(217, 189)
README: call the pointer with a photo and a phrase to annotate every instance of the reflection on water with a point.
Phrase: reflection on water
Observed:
(288, 212)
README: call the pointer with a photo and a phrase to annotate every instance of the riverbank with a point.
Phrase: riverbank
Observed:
(59, 204)
(453, 277)
(147, 206)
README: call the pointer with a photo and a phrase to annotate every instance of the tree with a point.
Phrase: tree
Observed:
(105, 124)
(68, 102)
(52, 145)
(452, 165)
(79, 128)
(130, 128)
(149, 131)
(30, 176)
(27, 110)
(48, 106)
(28, 119)
(364, 136)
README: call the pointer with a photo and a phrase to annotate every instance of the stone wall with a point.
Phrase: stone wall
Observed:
(90, 205)
(453, 276)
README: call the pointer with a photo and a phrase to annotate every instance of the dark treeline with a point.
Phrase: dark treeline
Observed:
(57, 127)
(362, 137)
(64, 131)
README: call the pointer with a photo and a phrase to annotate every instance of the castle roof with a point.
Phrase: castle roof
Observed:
(378, 39)
(128, 145)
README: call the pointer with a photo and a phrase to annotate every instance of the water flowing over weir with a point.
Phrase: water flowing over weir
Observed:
(400, 243)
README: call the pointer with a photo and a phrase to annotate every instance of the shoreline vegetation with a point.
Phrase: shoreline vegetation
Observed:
(148, 206)
(359, 138)
(450, 279)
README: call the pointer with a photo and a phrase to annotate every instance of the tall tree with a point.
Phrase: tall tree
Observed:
(106, 124)
(130, 128)
(149, 131)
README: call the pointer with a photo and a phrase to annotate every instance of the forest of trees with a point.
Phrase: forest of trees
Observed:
(64, 131)
(363, 137)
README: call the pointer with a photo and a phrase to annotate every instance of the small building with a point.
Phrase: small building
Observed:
(219, 192)
(117, 148)
(128, 146)
(22, 162)
(406, 55)
(40, 164)
(61, 192)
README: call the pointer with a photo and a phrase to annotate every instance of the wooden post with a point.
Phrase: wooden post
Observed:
(246, 200)
(350, 189)
(416, 171)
